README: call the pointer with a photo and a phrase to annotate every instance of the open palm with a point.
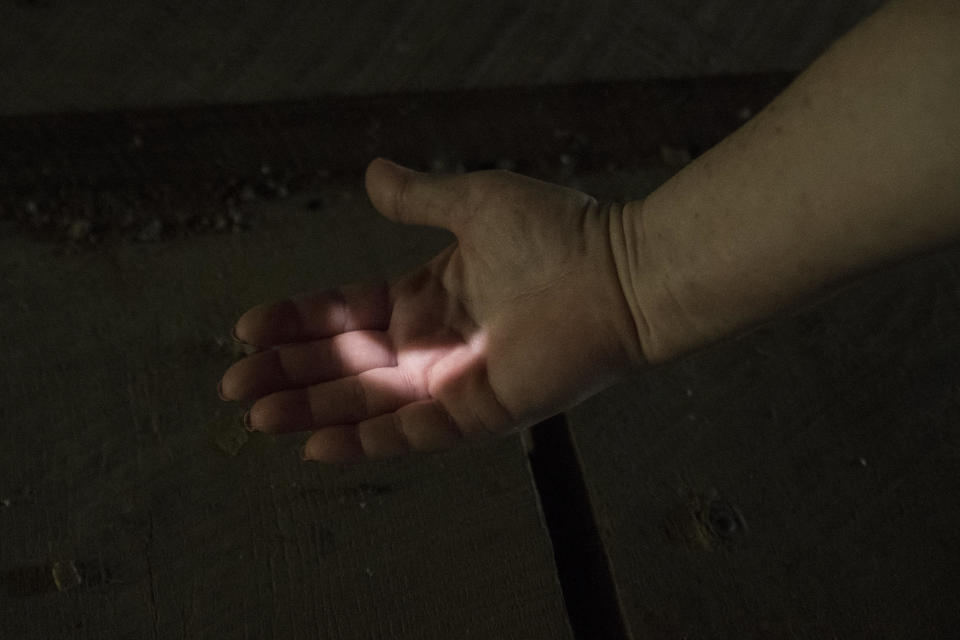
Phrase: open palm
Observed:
(519, 319)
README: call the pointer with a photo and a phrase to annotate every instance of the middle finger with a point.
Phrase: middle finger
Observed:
(304, 364)
(344, 401)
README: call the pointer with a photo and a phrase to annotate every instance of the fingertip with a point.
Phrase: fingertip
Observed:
(232, 385)
(240, 332)
(381, 163)
(378, 169)
(371, 171)
(382, 181)
(268, 324)
(338, 444)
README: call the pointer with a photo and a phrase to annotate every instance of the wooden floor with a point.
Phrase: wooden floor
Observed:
(135, 504)
(796, 482)
(800, 481)
(112, 54)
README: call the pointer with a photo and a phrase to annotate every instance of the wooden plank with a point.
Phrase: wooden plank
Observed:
(81, 480)
(125, 481)
(799, 481)
(112, 54)
(156, 229)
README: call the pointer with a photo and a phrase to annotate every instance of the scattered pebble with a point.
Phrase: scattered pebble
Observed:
(725, 520)
(235, 215)
(745, 113)
(65, 575)
(228, 434)
(79, 230)
(689, 393)
(5, 502)
(84, 216)
(863, 462)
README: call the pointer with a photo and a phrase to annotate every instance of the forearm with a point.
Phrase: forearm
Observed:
(854, 165)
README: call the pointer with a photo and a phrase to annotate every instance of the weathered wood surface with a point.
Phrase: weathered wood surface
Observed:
(112, 54)
(798, 482)
(116, 455)
(123, 476)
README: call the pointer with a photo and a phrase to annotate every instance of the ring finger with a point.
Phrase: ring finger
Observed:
(348, 400)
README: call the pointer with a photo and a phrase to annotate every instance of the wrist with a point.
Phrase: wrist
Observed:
(656, 277)
(636, 275)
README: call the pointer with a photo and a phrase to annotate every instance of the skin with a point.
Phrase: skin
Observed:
(548, 295)
(520, 318)
(853, 167)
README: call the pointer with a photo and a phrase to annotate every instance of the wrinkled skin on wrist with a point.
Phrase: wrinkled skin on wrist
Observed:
(522, 317)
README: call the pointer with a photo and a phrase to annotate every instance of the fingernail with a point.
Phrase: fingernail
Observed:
(246, 422)
(236, 338)
(220, 391)
(303, 452)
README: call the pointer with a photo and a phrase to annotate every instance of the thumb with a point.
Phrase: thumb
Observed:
(411, 197)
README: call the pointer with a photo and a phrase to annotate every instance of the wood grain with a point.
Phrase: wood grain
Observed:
(113, 54)
(129, 486)
(799, 481)
(119, 463)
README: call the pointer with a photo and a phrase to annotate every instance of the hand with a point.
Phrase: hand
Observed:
(522, 317)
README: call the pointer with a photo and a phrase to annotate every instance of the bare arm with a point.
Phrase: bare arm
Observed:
(547, 296)
(855, 165)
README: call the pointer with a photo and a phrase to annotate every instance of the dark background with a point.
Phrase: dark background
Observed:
(163, 167)
(114, 54)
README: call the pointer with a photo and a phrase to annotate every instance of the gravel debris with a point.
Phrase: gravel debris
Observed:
(81, 216)
(79, 230)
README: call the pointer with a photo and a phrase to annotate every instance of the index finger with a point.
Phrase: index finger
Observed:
(312, 316)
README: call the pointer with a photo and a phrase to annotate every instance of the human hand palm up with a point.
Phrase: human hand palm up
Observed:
(522, 317)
